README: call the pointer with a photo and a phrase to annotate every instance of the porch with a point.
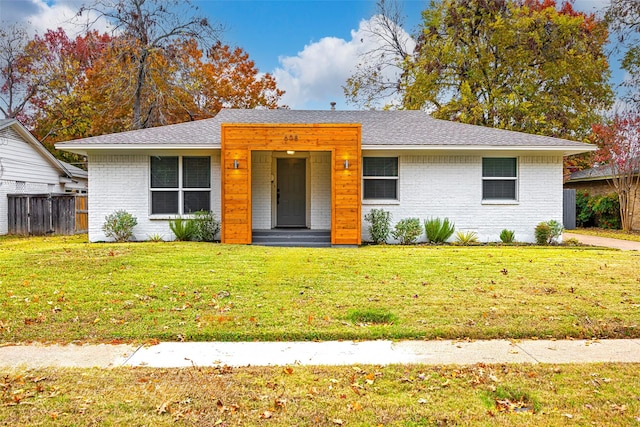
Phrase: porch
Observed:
(277, 176)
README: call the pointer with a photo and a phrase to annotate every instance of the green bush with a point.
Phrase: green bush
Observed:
(184, 229)
(437, 230)
(407, 231)
(606, 210)
(556, 230)
(380, 225)
(548, 232)
(466, 237)
(598, 211)
(119, 225)
(584, 213)
(206, 225)
(507, 236)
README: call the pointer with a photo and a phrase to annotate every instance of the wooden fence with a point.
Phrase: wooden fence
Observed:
(41, 214)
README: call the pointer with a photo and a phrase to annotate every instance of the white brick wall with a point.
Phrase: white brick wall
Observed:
(320, 206)
(122, 182)
(429, 186)
(261, 189)
(451, 186)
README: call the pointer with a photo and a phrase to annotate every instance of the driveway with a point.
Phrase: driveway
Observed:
(625, 245)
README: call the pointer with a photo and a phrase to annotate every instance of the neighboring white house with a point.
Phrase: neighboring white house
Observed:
(27, 167)
(325, 170)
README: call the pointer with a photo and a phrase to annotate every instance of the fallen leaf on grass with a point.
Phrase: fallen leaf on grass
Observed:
(355, 406)
(266, 415)
(337, 421)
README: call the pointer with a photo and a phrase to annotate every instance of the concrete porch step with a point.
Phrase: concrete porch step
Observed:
(292, 237)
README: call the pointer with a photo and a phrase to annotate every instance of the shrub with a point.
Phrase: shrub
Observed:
(119, 225)
(206, 225)
(548, 232)
(584, 213)
(543, 233)
(437, 230)
(507, 236)
(407, 231)
(156, 238)
(606, 210)
(380, 227)
(556, 230)
(184, 229)
(597, 211)
(466, 237)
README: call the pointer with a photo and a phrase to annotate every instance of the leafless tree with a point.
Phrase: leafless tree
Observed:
(378, 75)
(142, 28)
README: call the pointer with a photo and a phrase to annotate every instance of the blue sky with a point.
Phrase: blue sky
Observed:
(310, 46)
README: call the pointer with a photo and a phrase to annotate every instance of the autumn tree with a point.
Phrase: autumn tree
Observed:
(61, 109)
(19, 62)
(619, 153)
(146, 30)
(520, 65)
(624, 19)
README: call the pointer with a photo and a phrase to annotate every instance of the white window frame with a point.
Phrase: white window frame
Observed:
(395, 178)
(179, 189)
(515, 179)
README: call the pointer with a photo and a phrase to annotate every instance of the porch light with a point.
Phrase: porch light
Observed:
(291, 152)
(346, 164)
(236, 164)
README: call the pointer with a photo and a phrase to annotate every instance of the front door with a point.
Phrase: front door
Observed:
(291, 193)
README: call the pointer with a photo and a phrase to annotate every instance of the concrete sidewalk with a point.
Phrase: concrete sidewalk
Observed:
(624, 245)
(236, 354)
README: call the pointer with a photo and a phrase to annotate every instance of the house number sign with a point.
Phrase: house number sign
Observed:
(290, 137)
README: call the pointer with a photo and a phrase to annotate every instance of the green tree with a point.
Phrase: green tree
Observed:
(519, 65)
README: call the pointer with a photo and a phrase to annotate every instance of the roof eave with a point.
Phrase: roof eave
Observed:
(565, 150)
(83, 149)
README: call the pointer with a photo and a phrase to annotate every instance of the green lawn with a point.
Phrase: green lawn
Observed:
(64, 289)
(477, 395)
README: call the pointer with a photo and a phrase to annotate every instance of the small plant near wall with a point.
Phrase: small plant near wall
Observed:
(156, 238)
(119, 225)
(407, 231)
(549, 232)
(207, 226)
(380, 225)
(507, 236)
(543, 233)
(183, 229)
(466, 237)
(437, 230)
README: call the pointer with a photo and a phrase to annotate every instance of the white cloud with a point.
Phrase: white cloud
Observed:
(37, 16)
(315, 76)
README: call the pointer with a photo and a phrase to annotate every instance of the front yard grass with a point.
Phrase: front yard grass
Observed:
(63, 289)
(478, 395)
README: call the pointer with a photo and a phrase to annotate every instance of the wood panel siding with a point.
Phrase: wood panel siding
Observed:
(343, 141)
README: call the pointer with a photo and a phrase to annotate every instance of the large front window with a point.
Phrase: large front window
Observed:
(499, 178)
(380, 178)
(180, 185)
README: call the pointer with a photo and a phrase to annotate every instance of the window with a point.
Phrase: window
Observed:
(499, 178)
(180, 185)
(380, 176)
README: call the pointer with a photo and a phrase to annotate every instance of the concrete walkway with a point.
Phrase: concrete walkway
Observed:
(236, 354)
(625, 245)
